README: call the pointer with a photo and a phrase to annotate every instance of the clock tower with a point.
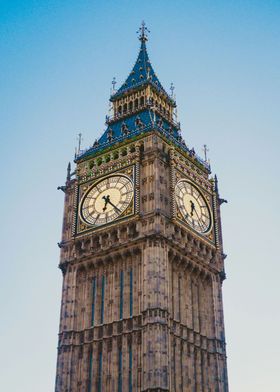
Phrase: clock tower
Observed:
(141, 254)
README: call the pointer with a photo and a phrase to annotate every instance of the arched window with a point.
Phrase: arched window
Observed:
(125, 108)
(136, 103)
(142, 101)
(130, 106)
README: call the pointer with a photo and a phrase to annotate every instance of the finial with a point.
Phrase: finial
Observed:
(143, 32)
(79, 142)
(205, 150)
(68, 178)
(172, 88)
(216, 183)
(114, 84)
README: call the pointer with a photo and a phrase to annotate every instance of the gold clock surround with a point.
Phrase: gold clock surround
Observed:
(106, 200)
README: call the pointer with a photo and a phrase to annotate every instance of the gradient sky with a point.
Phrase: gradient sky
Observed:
(57, 60)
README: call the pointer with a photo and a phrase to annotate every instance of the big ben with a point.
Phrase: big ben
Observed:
(141, 254)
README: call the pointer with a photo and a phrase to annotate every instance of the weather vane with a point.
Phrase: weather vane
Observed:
(143, 36)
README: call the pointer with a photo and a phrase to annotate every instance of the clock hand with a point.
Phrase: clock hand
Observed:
(192, 207)
(98, 215)
(106, 200)
(113, 205)
(198, 219)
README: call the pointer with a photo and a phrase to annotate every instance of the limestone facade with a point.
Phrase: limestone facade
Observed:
(141, 302)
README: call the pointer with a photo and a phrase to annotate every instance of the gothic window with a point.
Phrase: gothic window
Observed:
(142, 101)
(136, 104)
(90, 371)
(130, 106)
(120, 110)
(99, 379)
(125, 108)
(130, 293)
(120, 371)
(130, 369)
(80, 296)
(93, 300)
(102, 300)
(121, 294)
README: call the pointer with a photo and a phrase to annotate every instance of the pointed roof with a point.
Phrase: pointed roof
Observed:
(142, 72)
(132, 124)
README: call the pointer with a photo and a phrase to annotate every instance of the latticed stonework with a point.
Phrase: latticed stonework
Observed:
(141, 256)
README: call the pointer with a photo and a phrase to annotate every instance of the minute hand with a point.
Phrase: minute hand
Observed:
(198, 219)
(113, 205)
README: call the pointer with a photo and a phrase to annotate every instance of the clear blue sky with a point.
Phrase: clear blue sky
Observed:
(57, 62)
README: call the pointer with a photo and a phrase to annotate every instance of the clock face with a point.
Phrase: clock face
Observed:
(193, 206)
(106, 200)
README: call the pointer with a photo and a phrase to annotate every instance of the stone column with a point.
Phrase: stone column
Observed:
(155, 301)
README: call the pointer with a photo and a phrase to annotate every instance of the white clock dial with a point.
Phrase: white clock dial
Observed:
(106, 200)
(193, 206)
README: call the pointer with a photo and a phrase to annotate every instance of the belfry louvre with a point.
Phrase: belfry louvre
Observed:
(141, 254)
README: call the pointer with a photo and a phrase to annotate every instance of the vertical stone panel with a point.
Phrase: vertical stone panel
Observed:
(154, 296)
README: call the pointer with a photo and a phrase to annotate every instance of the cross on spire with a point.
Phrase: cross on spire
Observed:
(143, 36)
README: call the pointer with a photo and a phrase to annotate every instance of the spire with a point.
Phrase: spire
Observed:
(141, 105)
(142, 72)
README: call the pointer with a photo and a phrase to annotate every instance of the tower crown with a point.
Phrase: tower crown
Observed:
(141, 105)
(142, 74)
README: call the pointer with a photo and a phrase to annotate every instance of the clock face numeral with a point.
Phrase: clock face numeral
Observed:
(106, 200)
(193, 206)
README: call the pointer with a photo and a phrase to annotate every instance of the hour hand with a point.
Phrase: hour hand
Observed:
(192, 207)
(106, 200)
